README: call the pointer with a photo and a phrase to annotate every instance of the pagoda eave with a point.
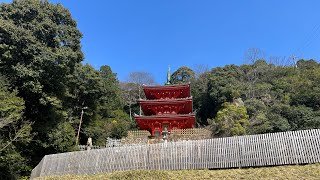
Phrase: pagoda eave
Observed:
(156, 124)
(178, 116)
(166, 101)
(172, 106)
(167, 87)
(167, 92)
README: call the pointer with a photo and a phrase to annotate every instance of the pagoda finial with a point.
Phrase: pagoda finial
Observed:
(168, 76)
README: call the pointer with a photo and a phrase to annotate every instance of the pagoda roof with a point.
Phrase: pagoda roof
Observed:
(166, 106)
(174, 86)
(167, 92)
(169, 116)
(180, 121)
(166, 101)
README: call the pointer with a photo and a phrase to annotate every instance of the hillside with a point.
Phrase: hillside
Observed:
(51, 100)
(281, 172)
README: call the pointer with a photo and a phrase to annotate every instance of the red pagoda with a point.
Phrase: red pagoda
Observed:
(166, 107)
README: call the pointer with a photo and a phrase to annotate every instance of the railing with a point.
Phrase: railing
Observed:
(293, 147)
(110, 143)
(85, 147)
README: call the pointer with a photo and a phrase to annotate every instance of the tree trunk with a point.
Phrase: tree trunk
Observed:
(130, 112)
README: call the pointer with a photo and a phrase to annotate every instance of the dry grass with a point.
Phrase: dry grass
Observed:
(280, 172)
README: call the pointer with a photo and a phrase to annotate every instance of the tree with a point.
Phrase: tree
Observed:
(253, 75)
(62, 138)
(278, 61)
(231, 120)
(138, 79)
(114, 126)
(11, 106)
(39, 48)
(40, 45)
(199, 92)
(15, 133)
(141, 78)
(214, 88)
(299, 117)
(253, 54)
(200, 69)
(99, 91)
(307, 64)
(257, 110)
(277, 98)
(182, 75)
(111, 99)
(120, 124)
(129, 95)
(201, 99)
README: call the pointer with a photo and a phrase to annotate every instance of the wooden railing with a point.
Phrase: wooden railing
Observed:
(293, 147)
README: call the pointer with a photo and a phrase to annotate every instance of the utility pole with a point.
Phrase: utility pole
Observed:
(77, 139)
(294, 60)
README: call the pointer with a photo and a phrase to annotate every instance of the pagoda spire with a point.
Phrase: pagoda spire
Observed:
(168, 76)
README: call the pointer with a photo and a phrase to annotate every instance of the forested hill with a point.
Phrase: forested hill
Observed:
(44, 88)
(258, 98)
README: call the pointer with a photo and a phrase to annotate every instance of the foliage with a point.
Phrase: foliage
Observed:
(141, 78)
(44, 87)
(182, 75)
(11, 106)
(62, 138)
(14, 133)
(231, 120)
(115, 127)
(120, 124)
(132, 90)
(130, 95)
(39, 45)
(12, 164)
(46, 84)
(277, 98)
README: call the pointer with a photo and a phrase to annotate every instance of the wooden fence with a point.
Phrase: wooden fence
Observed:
(85, 147)
(293, 147)
(189, 134)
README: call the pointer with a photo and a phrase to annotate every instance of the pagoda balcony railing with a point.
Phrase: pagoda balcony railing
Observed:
(163, 107)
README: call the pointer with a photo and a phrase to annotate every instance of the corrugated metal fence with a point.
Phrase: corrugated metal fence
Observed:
(293, 147)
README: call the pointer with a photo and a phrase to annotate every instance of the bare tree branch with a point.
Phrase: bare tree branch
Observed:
(253, 54)
(21, 133)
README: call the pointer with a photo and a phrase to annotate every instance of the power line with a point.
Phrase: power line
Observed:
(313, 35)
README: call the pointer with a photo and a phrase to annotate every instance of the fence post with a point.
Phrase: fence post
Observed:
(89, 143)
(240, 150)
(293, 141)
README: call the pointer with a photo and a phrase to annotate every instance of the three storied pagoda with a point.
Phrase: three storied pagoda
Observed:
(166, 107)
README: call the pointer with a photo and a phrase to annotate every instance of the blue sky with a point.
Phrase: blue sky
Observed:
(144, 35)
